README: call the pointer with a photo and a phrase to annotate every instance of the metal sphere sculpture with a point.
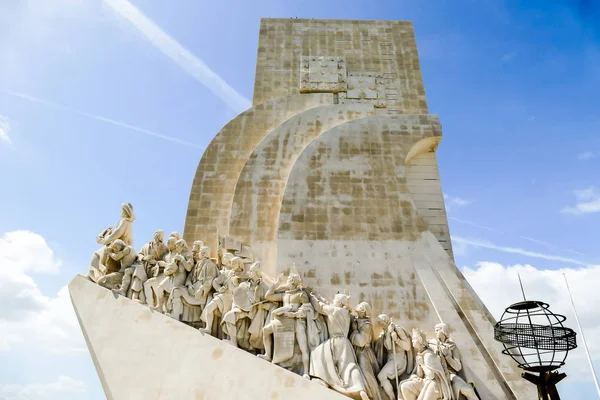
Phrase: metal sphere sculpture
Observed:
(534, 336)
(538, 341)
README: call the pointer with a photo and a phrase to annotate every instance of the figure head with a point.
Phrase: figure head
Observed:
(117, 246)
(127, 212)
(254, 271)
(441, 331)
(176, 235)
(363, 309)
(341, 300)
(419, 339)
(226, 260)
(171, 243)
(197, 245)
(383, 320)
(158, 236)
(237, 264)
(181, 245)
(204, 252)
(294, 281)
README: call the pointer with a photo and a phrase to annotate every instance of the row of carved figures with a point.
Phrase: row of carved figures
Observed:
(282, 322)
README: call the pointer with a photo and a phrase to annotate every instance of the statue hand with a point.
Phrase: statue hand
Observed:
(222, 289)
(394, 336)
(280, 278)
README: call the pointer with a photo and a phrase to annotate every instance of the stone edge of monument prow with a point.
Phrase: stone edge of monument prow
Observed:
(122, 335)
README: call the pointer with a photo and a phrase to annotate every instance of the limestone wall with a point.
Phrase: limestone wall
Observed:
(423, 180)
(385, 47)
(259, 190)
(224, 158)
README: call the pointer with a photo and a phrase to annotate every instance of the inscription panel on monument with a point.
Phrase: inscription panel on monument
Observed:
(322, 74)
(364, 87)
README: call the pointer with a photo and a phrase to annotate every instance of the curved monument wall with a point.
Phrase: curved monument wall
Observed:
(260, 187)
(223, 160)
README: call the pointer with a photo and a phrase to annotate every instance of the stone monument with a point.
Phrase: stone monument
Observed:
(324, 194)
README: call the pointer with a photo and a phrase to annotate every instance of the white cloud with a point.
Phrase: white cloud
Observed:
(515, 250)
(498, 287)
(587, 155)
(102, 119)
(27, 316)
(588, 201)
(4, 130)
(180, 55)
(63, 384)
(453, 202)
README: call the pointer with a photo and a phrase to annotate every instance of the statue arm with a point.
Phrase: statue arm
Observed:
(453, 359)
(217, 283)
(272, 294)
(317, 304)
(274, 297)
(387, 339)
(403, 339)
(187, 265)
(118, 256)
(116, 233)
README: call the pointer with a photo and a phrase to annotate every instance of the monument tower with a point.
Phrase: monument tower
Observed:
(333, 172)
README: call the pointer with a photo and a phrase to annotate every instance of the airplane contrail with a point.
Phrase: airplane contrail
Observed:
(180, 55)
(101, 118)
(516, 250)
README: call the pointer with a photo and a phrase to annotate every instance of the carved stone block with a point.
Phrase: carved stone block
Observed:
(322, 74)
(365, 87)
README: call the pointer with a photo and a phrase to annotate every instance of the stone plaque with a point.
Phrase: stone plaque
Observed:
(364, 87)
(322, 74)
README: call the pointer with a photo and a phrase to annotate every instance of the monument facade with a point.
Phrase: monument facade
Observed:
(324, 194)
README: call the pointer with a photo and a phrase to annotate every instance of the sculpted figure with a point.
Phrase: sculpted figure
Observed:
(445, 348)
(196, 246)
(288, 324)
(175, 235)
(333, 362)
(175, 274)
(398, 358)
(224, 285)
(249, 308)
(198, 286)
(226, 261)
(361, 338)
(261, 308)
(138, 273)
(123, 230)
(123, 256)
(158, 275)
(430, 381)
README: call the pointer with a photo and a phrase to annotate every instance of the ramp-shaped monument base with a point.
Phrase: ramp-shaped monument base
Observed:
(142, 354)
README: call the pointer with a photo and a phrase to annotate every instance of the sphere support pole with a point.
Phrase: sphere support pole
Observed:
(546, 383)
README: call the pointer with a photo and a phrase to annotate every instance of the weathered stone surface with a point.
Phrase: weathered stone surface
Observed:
(220, 166)
(410, 280)
(144, 355)
(387, 48)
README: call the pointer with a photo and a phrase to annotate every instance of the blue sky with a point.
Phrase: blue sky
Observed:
(84, 94)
